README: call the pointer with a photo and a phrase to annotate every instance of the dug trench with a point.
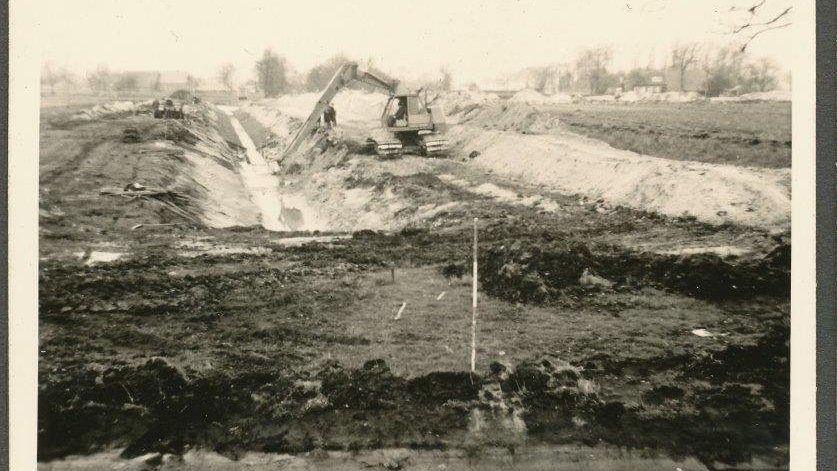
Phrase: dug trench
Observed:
(233, 340)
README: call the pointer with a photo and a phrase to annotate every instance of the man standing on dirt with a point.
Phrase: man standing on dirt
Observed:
(330, 116)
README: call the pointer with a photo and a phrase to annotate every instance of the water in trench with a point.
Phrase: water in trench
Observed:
(279, 210)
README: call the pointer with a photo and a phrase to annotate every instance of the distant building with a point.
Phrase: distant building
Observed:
(656, 84)
(650, 88)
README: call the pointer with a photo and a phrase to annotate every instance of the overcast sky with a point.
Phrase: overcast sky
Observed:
(476, 40)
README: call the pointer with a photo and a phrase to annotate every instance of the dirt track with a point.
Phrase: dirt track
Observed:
(211, 336)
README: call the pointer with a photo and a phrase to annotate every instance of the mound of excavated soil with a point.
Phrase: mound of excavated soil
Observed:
(527, 96)
(532, 272)
(212, 176)
(343, 187)
(154, 407)
(775, 95)
(569, 163)
(455, 102)
(107, 109)
(186, 168)
(670, 97)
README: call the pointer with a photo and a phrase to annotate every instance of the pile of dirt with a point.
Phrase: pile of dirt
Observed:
(188, 158)
(520, 117)
(213, 180)
(724, 408)
(599, 98)
(155, 407)
(533, 97)
(572, 164)
(559, 98)
(775, 95)
(112, 110)
(457, 101)
(541, 273)
(668, 97)
(527, 95)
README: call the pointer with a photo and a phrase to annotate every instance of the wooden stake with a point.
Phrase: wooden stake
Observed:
(474, 306)
(400, 310)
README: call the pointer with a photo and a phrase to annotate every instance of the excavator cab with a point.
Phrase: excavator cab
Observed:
(409, 125)
(405, 111)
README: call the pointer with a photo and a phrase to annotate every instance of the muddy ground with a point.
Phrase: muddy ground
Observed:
(175, 324)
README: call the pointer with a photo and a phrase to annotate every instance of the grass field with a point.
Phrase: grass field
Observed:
(748, 134)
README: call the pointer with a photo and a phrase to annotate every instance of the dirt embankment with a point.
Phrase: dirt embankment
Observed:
(344, 187)
(188, 162)
(239, 339)
(522, 142)
(539, 270)
(539, 145)
(157, 408)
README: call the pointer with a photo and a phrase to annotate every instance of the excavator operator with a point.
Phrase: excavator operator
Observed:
(400, 112)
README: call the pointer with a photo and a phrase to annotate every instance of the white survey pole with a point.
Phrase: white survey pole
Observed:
(474, 306)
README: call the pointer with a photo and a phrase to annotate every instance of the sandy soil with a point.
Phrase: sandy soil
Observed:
(524, 144)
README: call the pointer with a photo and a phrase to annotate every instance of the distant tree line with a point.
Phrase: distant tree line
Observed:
(690, 67)
(274, 76)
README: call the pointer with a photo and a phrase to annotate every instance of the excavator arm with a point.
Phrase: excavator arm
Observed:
(346, 74)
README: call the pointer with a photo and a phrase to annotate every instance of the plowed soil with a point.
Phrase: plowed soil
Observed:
(176, 332)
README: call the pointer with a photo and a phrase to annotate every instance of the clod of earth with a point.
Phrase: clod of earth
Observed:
(211, 332)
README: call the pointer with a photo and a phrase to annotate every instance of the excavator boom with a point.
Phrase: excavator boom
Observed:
(346, 74)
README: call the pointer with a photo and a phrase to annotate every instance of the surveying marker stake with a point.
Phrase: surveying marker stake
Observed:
(474, 306)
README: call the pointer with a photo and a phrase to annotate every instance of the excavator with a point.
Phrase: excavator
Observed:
(408, 124)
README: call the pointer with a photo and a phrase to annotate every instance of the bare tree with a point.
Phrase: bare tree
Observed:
(723, 70)
(271, 71)
(192, 82)
(51, 76)
(319, 75)
(225, 76)
(592, 66)
(761, 75)
(637, 76)
(759, 18)
(99, 80)
(126, 82)
(446, 81)
(682, 57)
(543, 78)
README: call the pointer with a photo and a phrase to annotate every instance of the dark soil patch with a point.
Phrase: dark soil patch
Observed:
(542, 272)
